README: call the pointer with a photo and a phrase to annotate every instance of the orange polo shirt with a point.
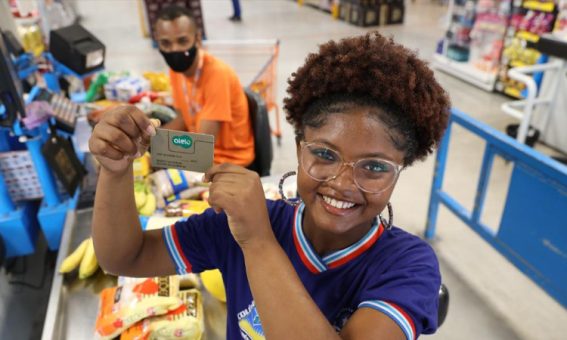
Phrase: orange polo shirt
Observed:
(219, 96)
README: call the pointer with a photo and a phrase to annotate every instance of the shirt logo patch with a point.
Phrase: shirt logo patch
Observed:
(249, 323)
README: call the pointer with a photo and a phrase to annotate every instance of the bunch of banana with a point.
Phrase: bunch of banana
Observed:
(145, 199)
(82, 257)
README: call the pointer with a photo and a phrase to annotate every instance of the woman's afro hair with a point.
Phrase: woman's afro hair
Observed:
(371, 69)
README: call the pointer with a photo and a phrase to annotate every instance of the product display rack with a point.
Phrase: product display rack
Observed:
(529, 19)
(473, 42)
(363, 13)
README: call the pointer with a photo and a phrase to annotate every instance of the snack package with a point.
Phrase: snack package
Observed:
(125, 305)
(173, 184)
(214, 284)
(171, 181)
(123, 88)
(185, 322)
(32, 39)
(159, 81)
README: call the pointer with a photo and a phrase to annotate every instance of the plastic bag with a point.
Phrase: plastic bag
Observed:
(186, 322)
(125, 305)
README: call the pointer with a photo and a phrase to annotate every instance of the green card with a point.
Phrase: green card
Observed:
(182, 150)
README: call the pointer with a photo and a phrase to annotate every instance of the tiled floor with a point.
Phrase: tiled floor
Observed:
(490, 299)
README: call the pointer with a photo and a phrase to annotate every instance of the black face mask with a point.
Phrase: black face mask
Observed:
(180, 61)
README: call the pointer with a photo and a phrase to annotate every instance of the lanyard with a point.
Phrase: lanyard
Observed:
(190, 100)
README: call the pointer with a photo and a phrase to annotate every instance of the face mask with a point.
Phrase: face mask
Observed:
(180, 61)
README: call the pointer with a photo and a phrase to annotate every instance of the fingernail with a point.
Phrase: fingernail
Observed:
(151, 130)
(155, 122)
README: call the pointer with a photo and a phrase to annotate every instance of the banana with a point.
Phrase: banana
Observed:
(140, 198)
(72, 261)
(140, 193)
(150, 207)
(89, 264)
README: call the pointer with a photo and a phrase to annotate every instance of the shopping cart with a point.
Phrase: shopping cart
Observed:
(255, 62)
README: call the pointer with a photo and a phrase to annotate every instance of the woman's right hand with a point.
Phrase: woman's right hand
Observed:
(122, 134)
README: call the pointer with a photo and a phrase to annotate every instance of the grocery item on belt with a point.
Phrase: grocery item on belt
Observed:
(173, 184)
(83, 257)
(146, 202)
(125, 305)
(213, 282)
(183, 323)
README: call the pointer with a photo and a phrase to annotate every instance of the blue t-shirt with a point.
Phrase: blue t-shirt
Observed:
(390, 271)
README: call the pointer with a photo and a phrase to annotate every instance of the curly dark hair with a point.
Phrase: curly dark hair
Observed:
(371, 71)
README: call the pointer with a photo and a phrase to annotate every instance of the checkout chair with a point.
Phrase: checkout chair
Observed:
(443, 305)
(263, 150)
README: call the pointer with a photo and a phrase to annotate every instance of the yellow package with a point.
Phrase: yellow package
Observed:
(159, 81)
(32, 39)
(123, 306)
(184, 323)
(212, 280)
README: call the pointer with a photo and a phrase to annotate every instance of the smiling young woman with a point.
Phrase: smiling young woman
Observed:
(328, 266)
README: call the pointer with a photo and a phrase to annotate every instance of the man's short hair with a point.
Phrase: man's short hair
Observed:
(173, 12)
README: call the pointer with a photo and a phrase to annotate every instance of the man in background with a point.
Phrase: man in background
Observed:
(205, 90)
(237, 16)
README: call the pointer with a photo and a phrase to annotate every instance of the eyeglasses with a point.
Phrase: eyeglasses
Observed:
(373, 175)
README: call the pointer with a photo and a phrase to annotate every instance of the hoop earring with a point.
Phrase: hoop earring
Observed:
(293, 202)
(390, 222)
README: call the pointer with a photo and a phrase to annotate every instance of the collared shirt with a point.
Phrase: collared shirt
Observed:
(391, 271)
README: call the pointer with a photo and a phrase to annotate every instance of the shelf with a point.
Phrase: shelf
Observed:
(465, 71)
(539, 6)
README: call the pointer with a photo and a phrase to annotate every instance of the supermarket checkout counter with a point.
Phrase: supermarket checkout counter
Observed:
(74, 303)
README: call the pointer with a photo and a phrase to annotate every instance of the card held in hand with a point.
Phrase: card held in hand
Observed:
(182, 150)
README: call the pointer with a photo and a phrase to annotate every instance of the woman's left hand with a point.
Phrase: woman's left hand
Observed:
(240, 194)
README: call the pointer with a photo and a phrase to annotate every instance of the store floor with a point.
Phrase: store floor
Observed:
(490, 299)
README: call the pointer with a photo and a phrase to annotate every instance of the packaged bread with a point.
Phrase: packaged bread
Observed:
(125, 305)
(184, 323)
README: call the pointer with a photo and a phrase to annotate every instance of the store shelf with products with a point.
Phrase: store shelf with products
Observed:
(528, 21)
(465, 71)
(366, 13)
(473, 42)
(363, 13)
(492, 37)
